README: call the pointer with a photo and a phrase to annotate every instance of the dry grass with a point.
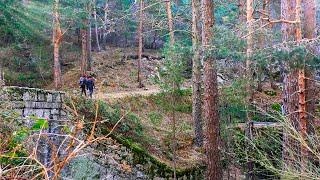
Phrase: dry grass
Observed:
(109, 66)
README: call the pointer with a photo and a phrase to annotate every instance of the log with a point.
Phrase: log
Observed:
(148, 57)
(256, 125)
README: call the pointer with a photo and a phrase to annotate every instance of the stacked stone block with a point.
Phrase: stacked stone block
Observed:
(35, 102)
(38, 103)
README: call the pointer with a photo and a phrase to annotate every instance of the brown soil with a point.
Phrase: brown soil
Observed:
(114, 73)
(116, 83)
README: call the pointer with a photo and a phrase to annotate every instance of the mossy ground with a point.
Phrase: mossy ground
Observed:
(146, 128)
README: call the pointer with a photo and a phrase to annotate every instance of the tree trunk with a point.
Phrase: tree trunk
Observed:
(1, 75)
(294, 98)
(309, 27)
(298, 31)
(196, 77)
(84, 58)
(290, 86)
(214, 171)
(266, 11)
(105, 30)
(292, 16)
(154, 44)
(249, 48)
(96, 26)
(140, 42)
(170, 22)
(89, 46)
(172, 41)
(174, 138)
(302, 93)
(89, 38)
(249, 11)
(175, 87)
(290, 102)
(241, 11)
(57, 38)
(285, 16)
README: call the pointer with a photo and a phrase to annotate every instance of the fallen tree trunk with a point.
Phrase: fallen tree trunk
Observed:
(148, 57)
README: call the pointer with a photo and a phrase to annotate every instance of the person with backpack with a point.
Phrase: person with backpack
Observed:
(83, 84)
(90, 85)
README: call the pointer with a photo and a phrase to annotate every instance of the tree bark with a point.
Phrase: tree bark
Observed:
(1, 75)
(140, 42)
(214, 171)
(96, 26)
(298, 30)
(89, 38)
(154, 44)
(241, 14)
(170, 22)
(84, 57)
(57, 38)
(174, 138)
(290, 86)
(309, 27)
(285, 16)
(249, 47)
(89, 46)
(290, 102)
(196, 77)
(292, 16)
(302, 93)
(105, 31)
(294, 95)
(175, 87)
(249, 11)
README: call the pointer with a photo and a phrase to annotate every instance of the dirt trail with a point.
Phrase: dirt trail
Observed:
(124, 94)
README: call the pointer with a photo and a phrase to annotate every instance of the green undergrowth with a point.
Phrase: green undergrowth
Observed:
(183, 103)
(155, 112)
(130, 132)
(129, 125)
(14, 134)
(264, 150)
(157, 167)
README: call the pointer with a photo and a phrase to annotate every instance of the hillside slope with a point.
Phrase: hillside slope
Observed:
(115, 71)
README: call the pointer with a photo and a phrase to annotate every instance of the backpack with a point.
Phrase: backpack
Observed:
(90, 83)
(82, 81)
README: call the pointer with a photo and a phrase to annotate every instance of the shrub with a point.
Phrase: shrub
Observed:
(156, 118)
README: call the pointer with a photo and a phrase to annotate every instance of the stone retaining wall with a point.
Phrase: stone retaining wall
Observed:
(113, 159)
(32, 103)
(35, 102)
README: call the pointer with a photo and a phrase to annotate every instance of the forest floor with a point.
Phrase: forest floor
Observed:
(115, 71)
(116, 83)
(123, 94)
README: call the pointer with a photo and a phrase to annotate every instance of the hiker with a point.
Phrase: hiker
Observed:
(83, 83)
(90, 85)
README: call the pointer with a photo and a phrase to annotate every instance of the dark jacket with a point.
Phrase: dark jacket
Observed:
(90, 83)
